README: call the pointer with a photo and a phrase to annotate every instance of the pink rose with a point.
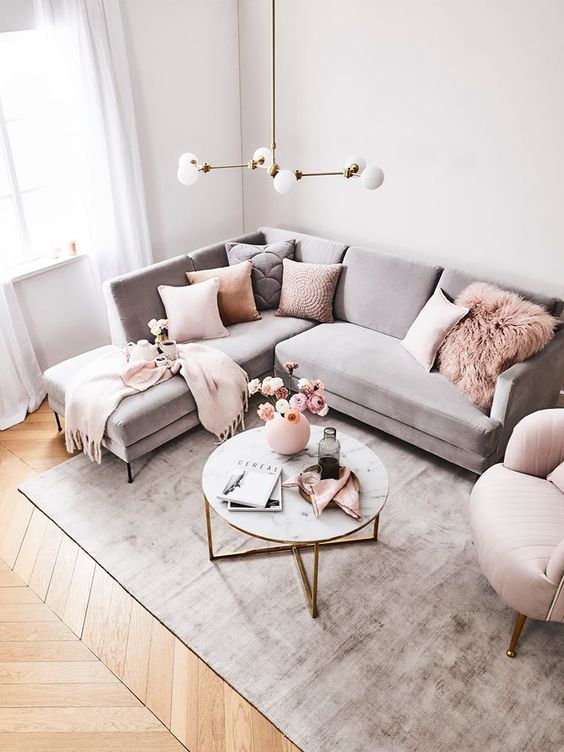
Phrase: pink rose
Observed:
(318, 385)
(266, 411)
(298, 402)
(305, 386)
(270, 385)
(282, 393)
(316, 403)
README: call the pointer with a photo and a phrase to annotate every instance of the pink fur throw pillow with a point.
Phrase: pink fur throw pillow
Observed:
(501, 329)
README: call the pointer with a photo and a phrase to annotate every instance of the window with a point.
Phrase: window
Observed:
(30, 223)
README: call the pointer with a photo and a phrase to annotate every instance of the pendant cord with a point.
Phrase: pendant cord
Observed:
(273, 81)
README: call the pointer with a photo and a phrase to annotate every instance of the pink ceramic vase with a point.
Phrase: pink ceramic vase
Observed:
(287, 438)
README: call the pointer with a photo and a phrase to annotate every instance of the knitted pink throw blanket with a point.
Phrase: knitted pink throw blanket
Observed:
(219, 388)
(217, 383)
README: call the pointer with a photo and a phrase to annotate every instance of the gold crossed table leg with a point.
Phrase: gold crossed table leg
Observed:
(309, 590)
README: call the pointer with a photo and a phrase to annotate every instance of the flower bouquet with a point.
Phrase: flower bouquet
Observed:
(159, 329)
(287, 427)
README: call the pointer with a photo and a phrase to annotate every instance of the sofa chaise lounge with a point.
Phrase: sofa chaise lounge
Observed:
(367, 372)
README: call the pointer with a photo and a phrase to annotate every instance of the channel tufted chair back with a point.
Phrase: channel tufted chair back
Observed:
(517, 519)
(536, 446)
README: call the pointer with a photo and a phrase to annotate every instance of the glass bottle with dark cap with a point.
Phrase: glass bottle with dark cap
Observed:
(329, 454)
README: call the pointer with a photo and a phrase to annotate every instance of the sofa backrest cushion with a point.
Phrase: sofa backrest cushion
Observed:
(453, 281)
(309, 248)
(214, 256)
(133, 299)
(381, 291)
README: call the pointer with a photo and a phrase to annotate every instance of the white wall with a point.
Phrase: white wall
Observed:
(460, 102)
(16, 15)
(184, 69)
(64, 311)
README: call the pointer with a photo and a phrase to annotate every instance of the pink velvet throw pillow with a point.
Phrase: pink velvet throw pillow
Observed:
(433, 323)
(501, 329)
(557, 477)
(192, 311)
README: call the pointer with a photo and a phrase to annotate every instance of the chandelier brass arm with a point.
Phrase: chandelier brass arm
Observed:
(350, 171)
(252, 164)
(283, 180)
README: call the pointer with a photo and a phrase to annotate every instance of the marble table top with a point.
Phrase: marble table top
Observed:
(296, 522)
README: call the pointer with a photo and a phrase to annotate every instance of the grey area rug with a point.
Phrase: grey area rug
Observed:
(408, 650)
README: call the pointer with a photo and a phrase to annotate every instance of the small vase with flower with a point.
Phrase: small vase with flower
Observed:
(287, 427)
(159, 330)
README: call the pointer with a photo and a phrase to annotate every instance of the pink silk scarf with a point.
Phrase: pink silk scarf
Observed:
(322, 492)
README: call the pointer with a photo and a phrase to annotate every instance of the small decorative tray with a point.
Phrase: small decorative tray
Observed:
(315, 469)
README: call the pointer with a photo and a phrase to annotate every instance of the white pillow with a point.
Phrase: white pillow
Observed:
(192, 311)
(434, 321)
(557, 477)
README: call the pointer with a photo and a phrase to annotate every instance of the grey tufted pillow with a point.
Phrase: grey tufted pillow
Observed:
(267, 268)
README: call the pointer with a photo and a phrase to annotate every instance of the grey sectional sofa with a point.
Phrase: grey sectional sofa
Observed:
(360, 358)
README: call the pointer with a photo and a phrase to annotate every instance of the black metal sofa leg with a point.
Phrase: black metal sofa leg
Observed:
(129, 473)
(59, 426)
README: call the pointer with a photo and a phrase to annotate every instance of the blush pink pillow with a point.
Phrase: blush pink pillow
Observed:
(501, 329)
(192, 311)
(557, 477)
(433, 323)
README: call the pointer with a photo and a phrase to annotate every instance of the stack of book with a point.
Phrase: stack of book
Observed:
(253, 487)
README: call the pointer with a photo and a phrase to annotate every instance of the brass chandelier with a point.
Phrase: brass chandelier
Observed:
(189, 167)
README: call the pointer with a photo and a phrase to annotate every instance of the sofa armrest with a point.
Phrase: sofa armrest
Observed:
(529, 386)
(555, 566)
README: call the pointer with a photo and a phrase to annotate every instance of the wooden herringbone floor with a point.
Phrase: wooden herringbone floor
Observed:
(72, 642)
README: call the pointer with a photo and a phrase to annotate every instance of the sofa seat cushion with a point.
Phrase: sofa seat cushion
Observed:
(517, 521)
(373, 370)
(250, 344)
(58, 377)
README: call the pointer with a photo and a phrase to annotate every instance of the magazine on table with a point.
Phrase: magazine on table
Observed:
(251, 483)
(274, 504)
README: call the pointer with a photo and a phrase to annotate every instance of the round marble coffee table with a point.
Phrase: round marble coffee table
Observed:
(295, 526)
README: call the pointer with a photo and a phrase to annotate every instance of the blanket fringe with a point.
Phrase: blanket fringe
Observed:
(77, 440)
(239, 421)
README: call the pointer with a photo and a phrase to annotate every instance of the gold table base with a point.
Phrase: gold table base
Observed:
(309, 590)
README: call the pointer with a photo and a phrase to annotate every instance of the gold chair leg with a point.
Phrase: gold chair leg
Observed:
(209, 529)
(519, 622)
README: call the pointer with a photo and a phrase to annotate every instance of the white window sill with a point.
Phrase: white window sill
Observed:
(41, 265)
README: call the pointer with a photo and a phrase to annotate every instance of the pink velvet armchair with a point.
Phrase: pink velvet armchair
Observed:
(517, 519)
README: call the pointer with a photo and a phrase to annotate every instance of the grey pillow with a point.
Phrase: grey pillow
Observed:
(266, 274)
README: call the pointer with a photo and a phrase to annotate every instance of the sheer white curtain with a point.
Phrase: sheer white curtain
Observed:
(92, 119)
(96, 168)
(21, 383)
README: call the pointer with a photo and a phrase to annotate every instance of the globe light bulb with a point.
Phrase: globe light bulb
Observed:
(187, 174)
(186, 158)
(284, 181)
(357, 160)
(372, 178)
(265, 153)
